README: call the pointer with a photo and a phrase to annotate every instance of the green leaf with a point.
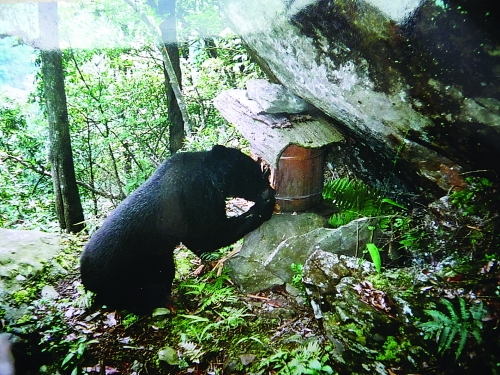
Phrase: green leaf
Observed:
(67, 358)
(439, 317)
(394, 203)
(463, 339)
(477, 335)
(463, 309)
(327, 369)
(315, 364)
(451, 309)
(375, 254)
(478, 312)
(81, 349)
(195, 318)
(445, 328)
(355, 199)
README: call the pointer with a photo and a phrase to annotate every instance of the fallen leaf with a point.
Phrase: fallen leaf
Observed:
(246, 359)
(110, 320)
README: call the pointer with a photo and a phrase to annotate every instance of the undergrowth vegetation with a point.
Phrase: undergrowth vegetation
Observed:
(455, 241)
(213, 327)
(354, 199)
(466, 217)
(432, 306)
(445, 327)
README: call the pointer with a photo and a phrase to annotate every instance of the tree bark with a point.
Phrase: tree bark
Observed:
(166, 9)
(167, 64)
(67, 198)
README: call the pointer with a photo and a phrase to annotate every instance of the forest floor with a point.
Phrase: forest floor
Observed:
(211, 328)
(439, 313)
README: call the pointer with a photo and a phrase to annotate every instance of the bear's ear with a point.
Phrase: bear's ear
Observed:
(219, 151)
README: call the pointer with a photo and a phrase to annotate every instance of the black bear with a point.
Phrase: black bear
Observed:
(129, 262)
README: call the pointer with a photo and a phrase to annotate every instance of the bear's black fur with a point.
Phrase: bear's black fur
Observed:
(129, 262)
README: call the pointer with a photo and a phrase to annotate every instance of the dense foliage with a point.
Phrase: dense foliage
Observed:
(120, 133)
(25, 189)
(118, 113)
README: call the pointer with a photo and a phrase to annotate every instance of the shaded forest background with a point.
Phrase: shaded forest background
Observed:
(119, 103)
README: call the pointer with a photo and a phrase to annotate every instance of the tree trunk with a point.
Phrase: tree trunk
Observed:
(172, 80)
(166, 9)
(67, 199)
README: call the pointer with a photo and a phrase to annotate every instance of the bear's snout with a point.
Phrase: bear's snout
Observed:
(268, 194)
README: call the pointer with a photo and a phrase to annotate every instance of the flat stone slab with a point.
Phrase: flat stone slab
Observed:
(268, 252)
(274, 98)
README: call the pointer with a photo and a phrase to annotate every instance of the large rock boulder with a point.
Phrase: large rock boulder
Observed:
(260, 264)
(23, 253)
(415, 84)
(267, 254)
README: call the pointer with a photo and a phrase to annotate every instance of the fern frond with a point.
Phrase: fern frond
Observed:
(461, 344)
(355, 199)
(463, 309)
(439, 317)
(476, 332)
(349, 194)
(446, 338)
(342, 218)
(454, 316)
(192, 351)
(313, 349)
(478, 312)
(446, 328)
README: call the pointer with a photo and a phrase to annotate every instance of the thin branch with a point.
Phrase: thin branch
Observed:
(99, 192)
(27, 164)
(168, 66)
(46, 173)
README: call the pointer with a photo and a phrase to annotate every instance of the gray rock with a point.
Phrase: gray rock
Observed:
(267, 254)
(324, 271)
(250, 276)
(6, 358)
(274, 98)
(247, 359)
(49, 292)
(23, 253)
(250, 268)
(169, 355)
(380, 69)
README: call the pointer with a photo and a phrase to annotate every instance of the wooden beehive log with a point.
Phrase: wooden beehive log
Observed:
(293, 145)
(298, 180)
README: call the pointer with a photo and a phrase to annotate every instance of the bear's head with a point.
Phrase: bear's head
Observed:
(245, 177)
